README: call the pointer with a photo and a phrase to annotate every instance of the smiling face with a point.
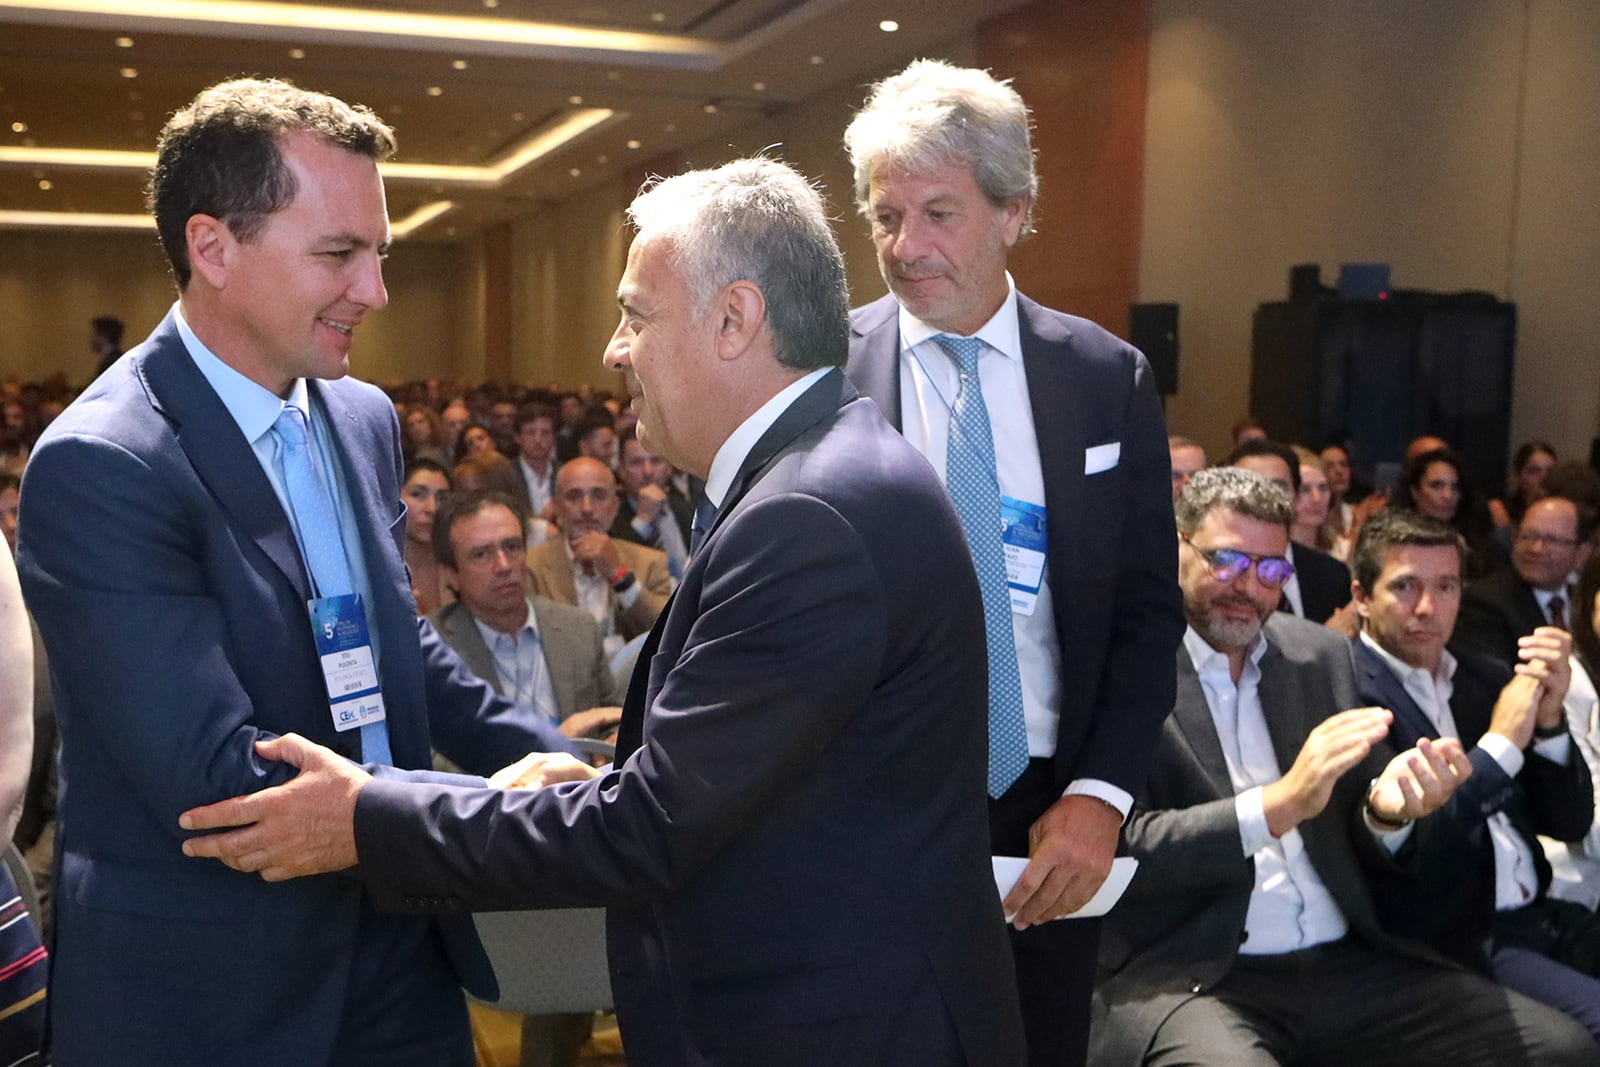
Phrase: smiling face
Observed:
(666, 350)
(1438, 493)
(1229, 614)
(1311, 503)
(942, 245)
(288, 300)
(1411, 610)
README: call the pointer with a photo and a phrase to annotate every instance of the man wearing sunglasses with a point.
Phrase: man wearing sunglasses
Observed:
(1249, 934)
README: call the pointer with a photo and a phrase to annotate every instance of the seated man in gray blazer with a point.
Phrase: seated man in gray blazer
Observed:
(1248, 935)
(539, 653)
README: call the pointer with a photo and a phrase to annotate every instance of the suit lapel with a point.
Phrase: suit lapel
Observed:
(875, 368)
(1192, 715)
(1281, 706)
(555, 642)
(218, 452)
(1379, 684)
(1059, 417)
(462, 634)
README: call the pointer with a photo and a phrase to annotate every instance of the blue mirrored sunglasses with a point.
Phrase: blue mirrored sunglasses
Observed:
(1226, 564)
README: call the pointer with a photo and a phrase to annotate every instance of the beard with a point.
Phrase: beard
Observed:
(1225, 633)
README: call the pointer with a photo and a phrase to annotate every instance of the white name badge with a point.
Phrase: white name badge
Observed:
(349, 668)
(1022, 536)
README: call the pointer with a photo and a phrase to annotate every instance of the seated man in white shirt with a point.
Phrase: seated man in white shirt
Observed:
(539, 653)
(1248, 935)
(623, 586)
(536, 455)
(1482, 894)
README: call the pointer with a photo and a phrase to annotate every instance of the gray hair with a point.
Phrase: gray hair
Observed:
(1235, 489)
(756, 220)
(933, 114)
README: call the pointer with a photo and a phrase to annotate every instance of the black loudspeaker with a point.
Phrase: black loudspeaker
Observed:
(1153, 330)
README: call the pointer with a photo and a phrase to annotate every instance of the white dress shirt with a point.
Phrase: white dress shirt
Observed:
(539, 486)
(1290, 908)
(519, 660)
(928, 384)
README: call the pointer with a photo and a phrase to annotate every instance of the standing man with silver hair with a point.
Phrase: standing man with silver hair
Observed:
(1049, 436)
(792, 844)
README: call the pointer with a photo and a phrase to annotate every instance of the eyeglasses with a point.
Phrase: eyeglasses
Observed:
(1226, 564)
(1536, 539)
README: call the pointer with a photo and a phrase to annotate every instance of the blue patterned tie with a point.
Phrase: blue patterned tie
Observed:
(974, 486)
(320, 541)
(705, 517)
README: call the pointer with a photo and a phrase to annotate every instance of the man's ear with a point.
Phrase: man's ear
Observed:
(741, 308)
(1359, 598)
(210, 244)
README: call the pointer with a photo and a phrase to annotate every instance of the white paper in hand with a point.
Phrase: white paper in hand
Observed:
(1007, 869)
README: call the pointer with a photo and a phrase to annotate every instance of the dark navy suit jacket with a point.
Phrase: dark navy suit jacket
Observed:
(793, 846)
(168, 586)
(1450, 904)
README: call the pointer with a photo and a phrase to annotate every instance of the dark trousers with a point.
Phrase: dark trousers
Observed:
(1055, 961)
(1345, 1003)
(405, 1007)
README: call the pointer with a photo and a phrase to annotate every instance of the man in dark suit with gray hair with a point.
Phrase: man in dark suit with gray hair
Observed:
(1048, 434)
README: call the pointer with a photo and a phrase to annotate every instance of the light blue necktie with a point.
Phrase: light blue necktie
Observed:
(974, 486)
(320, 541)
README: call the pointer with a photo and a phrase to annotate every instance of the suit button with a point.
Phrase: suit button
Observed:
(1244, 935)
(452, 903)
(1196, 987)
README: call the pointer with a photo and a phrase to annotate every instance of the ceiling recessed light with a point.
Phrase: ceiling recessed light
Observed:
(888, 25)
(602, 159)
(434, 90)
(658, 16)
(612, 76)
(394, 109)
(759, 87)
(46, 184)
(575, 100)
(491, 3)
(19, 127)
(124, 42)
(816, 61)
(458, 64)
(517, 116)
(297, 53)
(575, 172)
(635, 144)
(129, 72)
(710, 109)
(671, 127)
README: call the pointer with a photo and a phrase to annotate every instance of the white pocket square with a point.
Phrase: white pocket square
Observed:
(1101, 457)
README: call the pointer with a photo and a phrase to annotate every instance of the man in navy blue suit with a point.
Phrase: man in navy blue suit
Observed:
(944, 173)
(792, 845)
(181, 523)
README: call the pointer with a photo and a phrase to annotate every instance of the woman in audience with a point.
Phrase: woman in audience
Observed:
(1433, 486)
(1533, 461)
(1575, 867)
(475, 440)
(424, 437)
(1311, 504)
(427, 484)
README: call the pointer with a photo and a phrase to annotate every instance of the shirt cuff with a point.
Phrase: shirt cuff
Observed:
(1252, 816)
(1390, 840)
(1094, 787)
(644, 529)
(1554, 749)
(1502, 751)
(627, 597)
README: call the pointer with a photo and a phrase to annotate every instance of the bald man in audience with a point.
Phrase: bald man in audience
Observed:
(623, 586)
(1248, 935)
(1554, 539)
(1187, 458)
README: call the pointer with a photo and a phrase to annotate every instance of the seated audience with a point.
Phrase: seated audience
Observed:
(10, 498)
(1248, 935)
(1187, 457)
(1533, 461)
(1576, 865)
(536, 456)
(424, 437)
(453, 421)
(1319, 586)
(1553, 541)
(539, 653)
(1480, 895)
(597, 437)
(647, 514)
(1248, 428)
(623, 586)
(1311, 504)
(475, 440)
(488, 469)
(1432, 485)
(426, 486)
